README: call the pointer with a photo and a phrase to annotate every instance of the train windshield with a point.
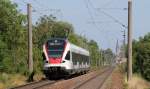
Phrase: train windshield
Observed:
(56, 48)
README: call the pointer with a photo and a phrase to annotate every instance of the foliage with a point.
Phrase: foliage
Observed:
(108, 56)
(11, 31)
(141, 56)
(13, 39)
(94, 52)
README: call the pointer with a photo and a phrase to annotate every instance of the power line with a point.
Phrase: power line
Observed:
(100, 22)
(108, 15)
(113, 9)
(41, 5)
(107, 3)
(91, 15)
(57, 10)
(113, 18)
(40, 11)
(94, 22)
(94, 9)
(47, 8)
(110, 8)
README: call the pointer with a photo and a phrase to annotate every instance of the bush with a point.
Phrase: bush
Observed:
(144, 57)
(141, 56)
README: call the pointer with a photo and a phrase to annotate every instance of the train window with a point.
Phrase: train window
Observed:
(55, 48)
(55, 54)
(80, 58)
(74, 58)
(68, 56)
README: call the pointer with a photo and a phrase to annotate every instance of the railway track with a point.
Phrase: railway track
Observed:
(92, 84)
(96, 82)
(35, 85)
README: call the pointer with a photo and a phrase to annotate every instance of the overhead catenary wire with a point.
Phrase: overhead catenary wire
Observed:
(47, 9)
(91, 16)
(41, 5)
(110, 8)
(114, 19)
(44, 9)
(94, 23)
(113, 9)
(108, 3)
(108, 15)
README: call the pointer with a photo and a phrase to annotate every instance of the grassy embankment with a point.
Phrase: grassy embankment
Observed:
(11, 80)
(137, 82)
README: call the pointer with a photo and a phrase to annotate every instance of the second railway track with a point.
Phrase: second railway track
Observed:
(100, 78)
(35, 85)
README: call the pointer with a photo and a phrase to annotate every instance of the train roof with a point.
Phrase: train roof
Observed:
(77, 49)
(57, 39)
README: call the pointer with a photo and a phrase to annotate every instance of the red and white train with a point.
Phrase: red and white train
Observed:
(63, 58)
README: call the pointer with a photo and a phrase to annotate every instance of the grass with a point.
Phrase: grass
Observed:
(12, 80)
(38, 76)
(137, 82)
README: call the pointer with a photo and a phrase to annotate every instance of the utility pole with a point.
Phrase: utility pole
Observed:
(96, 63)
(30, 59)
(99, 63)
(124, 38)
(117, 47)
(117, 51)
(124, 43)
(101, 57)
(129, 61)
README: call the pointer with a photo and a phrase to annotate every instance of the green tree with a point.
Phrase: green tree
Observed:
(11, 35)
(141, 56)
(108, 56)
(48, 27)
(94, 52)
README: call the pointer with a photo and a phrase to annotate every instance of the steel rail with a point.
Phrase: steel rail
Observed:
(83, 83)
(35, 85)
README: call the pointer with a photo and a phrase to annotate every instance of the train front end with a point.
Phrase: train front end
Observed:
(55, 52)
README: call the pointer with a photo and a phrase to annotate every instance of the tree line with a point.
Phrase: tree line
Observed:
(141, 56)
(14, 44)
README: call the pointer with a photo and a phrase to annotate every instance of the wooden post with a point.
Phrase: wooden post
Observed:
(30, 59)
(129, 61)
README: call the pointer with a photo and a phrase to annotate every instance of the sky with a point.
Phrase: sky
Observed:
(94, 19)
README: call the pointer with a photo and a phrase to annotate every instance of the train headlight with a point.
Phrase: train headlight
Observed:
(63, 61)
(46, 61)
